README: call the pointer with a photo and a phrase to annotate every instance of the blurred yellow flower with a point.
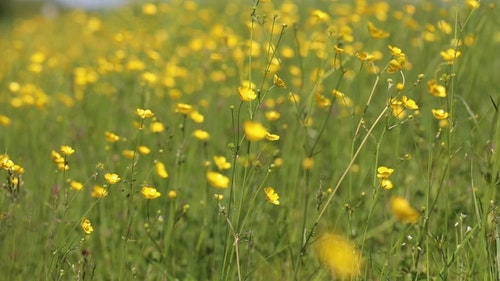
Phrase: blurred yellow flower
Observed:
(409, 103)
(4, 120)
(395, 51)
(144, 150)
(247, 93)
(472, 4)
(111, 137)
(67, 150)
(272, 115)
(340, 255)
(196, 116)
(217, 180)
(201, 135)
(322, 101)
(272, 137)
(172, 194)
(76, 185)
(308, 163)
(439, 114)
(127, 153)
(183, 108)
(157, 127)
(144, 113)
(376, 32)
(161, 171)
(149, 9)
(111, 178)
(450, 55)
(86, 225)
(402, 210)
(396, 64)
(272, 196)
(221, 163)
(278, 82)
(254, 131)
(149, 192)
(436, 89)
(386, 183)
(99, 191)
(384, 172)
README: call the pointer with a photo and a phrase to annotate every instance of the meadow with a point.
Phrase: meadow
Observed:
(252, 140)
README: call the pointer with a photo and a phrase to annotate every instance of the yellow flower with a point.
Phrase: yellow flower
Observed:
(440, 114)
(396, 64)
(340, 255)
(402, 210)
(278, 82)
(99, 191)
(217, 180)
(384, 172)
(161, 171)
(149, 9)
(376, 32)
(272, 137)
(322, 101)
(272, 115)
(472, 4)
(111, 137)
(76, 185)
(172, 194)
(386, 183)
(67, 150)
(183, 108)
(144, 149)
(221, 163)
(272, 196)
(144, 113)
(111, 178)
(409, 103)
(254, 131)
(86, 225)
(363, 56)
(157, 127)
(436, 89)
(320, 15)
(247, 93)
(127, 153)
(4, 120)
(450, 55)
(196, 116)
(150, 192)
(396, 52)
(308, 163)
(201, 135)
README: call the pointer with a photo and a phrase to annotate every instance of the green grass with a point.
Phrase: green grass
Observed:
(70, 79)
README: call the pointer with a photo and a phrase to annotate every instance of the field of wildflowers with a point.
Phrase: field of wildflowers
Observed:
(252, 140)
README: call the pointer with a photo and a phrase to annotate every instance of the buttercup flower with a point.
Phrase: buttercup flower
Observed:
(247, 93)
(440, 114)
(111, 137)
(161, 171)
(183, 108)
(149, 192)
(436, 89)
(272, 196)
(99, 192)
(144, 113)
(386, 184)
(278, 82)
(409, 103)
(450, 55)
(76, 185)
(221, 163)
(111, 178)
(217, 180)
(254, 131)
(86, 225)
(340, 255)
(157, 127)
(272, 137)
(201, 135)
(402, 210)
(384, 172)
(144, 149)
(376, 32)
(67, 150)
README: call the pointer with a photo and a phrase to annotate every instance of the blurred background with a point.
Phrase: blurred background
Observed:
(16, 8)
